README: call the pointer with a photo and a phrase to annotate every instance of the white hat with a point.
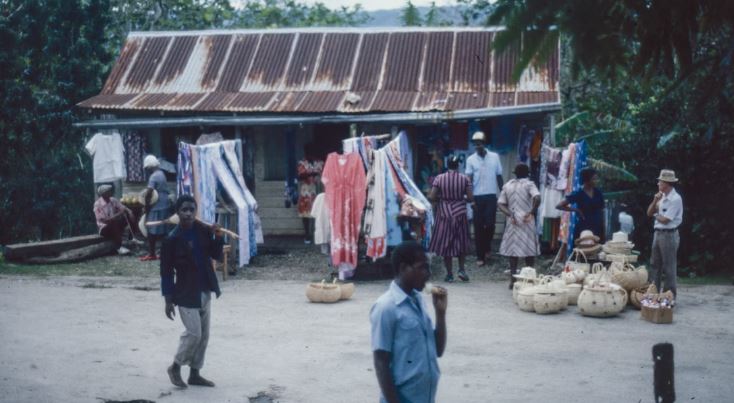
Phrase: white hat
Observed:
(666, 175)
(102, 189)
(527, 273)
(620, 237)
(478, 136)
(150, 161)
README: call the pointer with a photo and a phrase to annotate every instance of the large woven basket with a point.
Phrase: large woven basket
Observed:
(602, 301)
(573, 291)
(627, 276)
(526, 298)
(549, 301)
(323, 292)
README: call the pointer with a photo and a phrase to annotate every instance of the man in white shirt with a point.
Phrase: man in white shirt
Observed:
(485, 171)
(667, 209)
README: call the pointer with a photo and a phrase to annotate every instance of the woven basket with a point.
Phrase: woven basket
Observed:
(526, 298)
(347, 290)
(322, 292)
(602, 300)
(637, 294)
(574, 262)
(599, 273)
(627, 276)
(547, 301)
(573, 291)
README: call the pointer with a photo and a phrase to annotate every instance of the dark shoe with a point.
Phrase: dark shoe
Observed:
(199, 380)
(449, 278)
(175, 377)
(463, 276)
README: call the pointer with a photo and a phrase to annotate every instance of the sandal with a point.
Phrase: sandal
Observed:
(463, 276)
(148, 258)
(449, 278)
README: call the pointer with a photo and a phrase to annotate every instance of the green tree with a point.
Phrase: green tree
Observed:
(292, 13)
(411, 16)
(52, 55)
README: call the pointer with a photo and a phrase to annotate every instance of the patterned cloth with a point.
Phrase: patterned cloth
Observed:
(375, 214)
(307, 185)
(345, 181)
(451, 232)
(135, 150)
(519, 240)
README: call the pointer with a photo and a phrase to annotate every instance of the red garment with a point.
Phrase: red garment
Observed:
(345, 182)
(308, 173)
(105, 210)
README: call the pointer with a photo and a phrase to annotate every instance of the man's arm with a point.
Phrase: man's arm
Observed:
(440, 302)
(500, 181)
(381, 360)
(653, 207)
(167, 276)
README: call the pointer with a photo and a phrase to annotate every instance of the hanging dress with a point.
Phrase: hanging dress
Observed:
(308, 172)
(345, 182)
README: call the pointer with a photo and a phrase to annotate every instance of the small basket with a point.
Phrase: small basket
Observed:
(574, 262)
(323, 292)
(573, 291)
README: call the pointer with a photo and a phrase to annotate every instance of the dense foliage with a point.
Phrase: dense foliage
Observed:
(650, 85)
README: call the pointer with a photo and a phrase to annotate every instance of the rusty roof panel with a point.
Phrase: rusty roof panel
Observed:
(217, 46)
(176, 59)
(337, 57)
(250, 101)
(321, 101)
(369, 64)
(437, 68)
(472, 61)
(269, 62)
(393, 101)
(303, 62)
(404, 60)
(121, 65)
(316, 70)
(502, 99)
(467, 100)
(107, 100)
(238, 62)
(147, 62)
(431, 101)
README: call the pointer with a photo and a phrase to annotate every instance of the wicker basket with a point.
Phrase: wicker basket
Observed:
(526, 298)
(574, 262)
(519, 285)
(573, 291)
(347, 290)
(549, 301)
(599, 274)
(322, 292)
(602, 301)
(627, 276)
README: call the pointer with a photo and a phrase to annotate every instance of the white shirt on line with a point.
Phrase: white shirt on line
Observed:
(484, 172)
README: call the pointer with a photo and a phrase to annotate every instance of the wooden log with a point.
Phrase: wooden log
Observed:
(662, 355)
(76, 255)
(22, 251)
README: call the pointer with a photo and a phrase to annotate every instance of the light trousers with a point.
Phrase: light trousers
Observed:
(665, 260)
(193, 342)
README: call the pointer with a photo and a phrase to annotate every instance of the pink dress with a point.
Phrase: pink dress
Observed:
(345, 182)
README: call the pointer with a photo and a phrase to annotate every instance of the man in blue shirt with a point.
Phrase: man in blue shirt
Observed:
(405, 345)
(485, 171)
(186, 255)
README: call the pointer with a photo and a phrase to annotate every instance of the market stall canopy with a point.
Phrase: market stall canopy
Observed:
(322, 70)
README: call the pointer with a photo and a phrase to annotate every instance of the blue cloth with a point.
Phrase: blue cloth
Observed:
(579, 164)
(191, 237)
(593, 209)
(484, 171)
(401, 327)
(394, 235)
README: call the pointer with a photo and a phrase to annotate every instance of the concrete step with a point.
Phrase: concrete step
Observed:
(278, 212)
(271, 186)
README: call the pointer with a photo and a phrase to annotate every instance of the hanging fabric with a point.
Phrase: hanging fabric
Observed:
(108, 157)
(375, 218)
(578, 164)
(135, 150)
(566, 175)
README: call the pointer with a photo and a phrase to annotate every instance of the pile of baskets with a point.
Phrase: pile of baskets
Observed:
(324, 292)
(540, 295)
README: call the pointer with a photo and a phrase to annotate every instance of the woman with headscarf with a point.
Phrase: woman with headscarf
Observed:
(519, 201)
(112, 217)
(158, 211)
(451, 191)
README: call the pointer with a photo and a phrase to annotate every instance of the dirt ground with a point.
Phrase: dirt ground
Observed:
(86, 339)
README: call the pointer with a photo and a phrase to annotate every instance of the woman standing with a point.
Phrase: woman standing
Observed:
(588, 204)
(309, 170)
(519, 201)
(451, 190)
(158, 210)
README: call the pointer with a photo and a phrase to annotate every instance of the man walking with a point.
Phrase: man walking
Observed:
(405, 346)
(667, 209)
(186, 254)
(485, 170)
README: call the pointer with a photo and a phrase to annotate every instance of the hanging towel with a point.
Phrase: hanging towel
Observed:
(375, 218)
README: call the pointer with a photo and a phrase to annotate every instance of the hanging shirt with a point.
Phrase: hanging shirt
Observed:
(484, 172)
(401, 327)
(108, 157)
(671, 207)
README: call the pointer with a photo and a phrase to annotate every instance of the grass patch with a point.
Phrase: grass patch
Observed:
(109, 266)
(95, 285)
(719, 279)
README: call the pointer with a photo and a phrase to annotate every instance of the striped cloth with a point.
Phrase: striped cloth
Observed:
(451, 229)
(519, 240)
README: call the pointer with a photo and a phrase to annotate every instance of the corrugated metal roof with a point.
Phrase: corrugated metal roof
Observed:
(322, 70)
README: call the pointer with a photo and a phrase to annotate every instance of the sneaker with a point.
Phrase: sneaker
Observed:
(449, 278)
(463, 276)
(123, 251)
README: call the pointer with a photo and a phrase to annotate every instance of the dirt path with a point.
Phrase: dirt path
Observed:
(65, 343)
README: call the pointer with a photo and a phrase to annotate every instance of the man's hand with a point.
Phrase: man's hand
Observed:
(170, 310)
(658, 196)
(440, 299)
(216, 229)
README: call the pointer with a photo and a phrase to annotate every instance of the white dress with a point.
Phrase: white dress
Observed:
(322, 229)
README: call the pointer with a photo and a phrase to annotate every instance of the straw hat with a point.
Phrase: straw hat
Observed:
(478, 136)
(667, 175)
(150, 161)
(587, 238)
(589, 250)
(153, 197)
(526, 273)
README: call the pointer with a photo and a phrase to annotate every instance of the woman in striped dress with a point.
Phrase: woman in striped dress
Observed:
(519, 201)
(450, 238)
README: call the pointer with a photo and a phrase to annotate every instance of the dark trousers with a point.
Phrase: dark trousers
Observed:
(485, 216)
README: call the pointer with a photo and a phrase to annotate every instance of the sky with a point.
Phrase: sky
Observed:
(369, 5)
